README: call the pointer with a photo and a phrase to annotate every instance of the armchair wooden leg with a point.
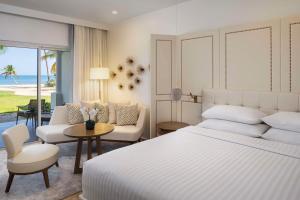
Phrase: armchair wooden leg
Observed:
(57, 165)
(17, 119)
(9, 181)
(46, 178)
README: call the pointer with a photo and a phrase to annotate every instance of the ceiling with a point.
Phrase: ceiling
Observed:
(99, 11)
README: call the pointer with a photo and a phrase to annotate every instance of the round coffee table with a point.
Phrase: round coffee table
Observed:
(79, 131)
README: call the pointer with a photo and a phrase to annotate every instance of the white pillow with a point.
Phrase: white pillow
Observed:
(284, 120)
(284, 136)
(234, 127)
(234, 113)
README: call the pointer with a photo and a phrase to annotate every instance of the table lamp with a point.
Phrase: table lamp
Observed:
(100, 73)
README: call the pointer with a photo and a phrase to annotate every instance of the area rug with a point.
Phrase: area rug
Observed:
(63, 182)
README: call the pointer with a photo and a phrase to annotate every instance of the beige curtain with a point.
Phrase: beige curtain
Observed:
(90, 50)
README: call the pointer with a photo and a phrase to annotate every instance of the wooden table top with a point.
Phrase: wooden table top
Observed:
(79, 130)
(171, 126)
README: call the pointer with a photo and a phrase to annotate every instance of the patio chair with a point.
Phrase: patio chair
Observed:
(29, 111)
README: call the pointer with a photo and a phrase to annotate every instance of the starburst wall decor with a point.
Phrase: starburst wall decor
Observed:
(132, 73)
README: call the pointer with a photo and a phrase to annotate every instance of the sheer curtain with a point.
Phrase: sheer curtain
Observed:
(90, 50)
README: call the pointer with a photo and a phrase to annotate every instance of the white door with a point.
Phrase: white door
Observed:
(163, 77)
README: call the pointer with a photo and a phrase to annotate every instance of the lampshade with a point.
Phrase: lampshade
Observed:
(97, 73)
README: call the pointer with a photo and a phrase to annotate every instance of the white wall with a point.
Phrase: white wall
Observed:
(132, 37)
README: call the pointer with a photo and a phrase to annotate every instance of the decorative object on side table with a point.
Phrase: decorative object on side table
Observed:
(194, 97)
(167, 127)
(89, 116)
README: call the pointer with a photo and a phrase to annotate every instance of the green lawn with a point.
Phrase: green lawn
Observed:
(9, 101)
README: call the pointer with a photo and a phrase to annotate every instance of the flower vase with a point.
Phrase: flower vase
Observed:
(90, 125)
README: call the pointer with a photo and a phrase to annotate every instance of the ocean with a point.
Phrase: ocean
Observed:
(22, 80)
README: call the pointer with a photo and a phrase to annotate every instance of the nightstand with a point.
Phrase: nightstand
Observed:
(167, 127)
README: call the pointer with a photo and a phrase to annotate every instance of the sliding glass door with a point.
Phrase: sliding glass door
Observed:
(18, 88)
(28, 87)
(48, 83)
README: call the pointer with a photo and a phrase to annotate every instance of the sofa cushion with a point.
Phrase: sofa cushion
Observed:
(74, 114)
(127, 115)
(33, 158)
(53, 133)
(102, 115)
(112, 119)
(124, 133)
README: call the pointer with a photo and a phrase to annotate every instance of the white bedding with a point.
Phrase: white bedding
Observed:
(196, 163)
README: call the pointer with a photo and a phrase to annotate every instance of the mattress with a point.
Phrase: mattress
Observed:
(196, 163)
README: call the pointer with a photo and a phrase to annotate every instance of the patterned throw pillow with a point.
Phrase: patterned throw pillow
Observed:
(102, 115)
(127, 115)
(74, 114)
(112, 119)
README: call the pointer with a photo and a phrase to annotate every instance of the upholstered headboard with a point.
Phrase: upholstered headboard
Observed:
(268, 102)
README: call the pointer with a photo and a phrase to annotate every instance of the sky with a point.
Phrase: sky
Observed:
(24, 60)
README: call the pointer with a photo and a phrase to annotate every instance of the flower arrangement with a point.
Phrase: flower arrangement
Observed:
(89, 116)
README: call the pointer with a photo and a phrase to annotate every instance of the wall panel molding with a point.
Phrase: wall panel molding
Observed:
(211, 37)
(164, 53)
(248, 30)
(198, 57)
(239, 46)
(291, 42)
(290, 49)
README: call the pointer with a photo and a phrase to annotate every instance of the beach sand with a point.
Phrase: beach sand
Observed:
(27, 90)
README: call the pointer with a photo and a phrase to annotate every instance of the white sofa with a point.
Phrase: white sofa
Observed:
(53, 133)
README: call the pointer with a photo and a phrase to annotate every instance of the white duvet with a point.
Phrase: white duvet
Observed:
(196, 163)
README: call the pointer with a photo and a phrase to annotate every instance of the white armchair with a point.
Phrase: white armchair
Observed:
(29, 159)
(53, 133)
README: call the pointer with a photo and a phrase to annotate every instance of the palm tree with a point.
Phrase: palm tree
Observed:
(53, 69)
(2, 49)
(9, 71)
(48, 54)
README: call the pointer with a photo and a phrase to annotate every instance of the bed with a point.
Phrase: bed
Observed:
(198, 163)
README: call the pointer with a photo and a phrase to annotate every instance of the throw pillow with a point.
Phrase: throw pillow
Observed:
(74, 114)
(127, 115)
(102, 115)
(112, 111)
